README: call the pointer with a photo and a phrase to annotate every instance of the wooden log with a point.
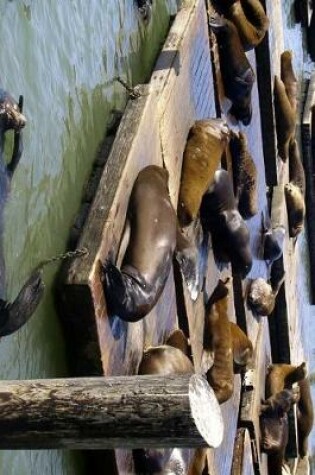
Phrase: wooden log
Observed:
(98, 413)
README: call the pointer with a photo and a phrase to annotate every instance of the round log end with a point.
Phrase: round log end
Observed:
(205, 410)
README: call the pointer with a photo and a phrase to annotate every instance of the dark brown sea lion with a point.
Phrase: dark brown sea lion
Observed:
(285, 119)
(261, 295)
(14, 315)
(218, 338)
(272, 240)
(230, 236)
(242, 348)
(134, 290)
(250, 20)
(295, 191)
(288, 78)
(166, 360)
(244, 176)
(206, 142)
(237, 74)
(305, 416)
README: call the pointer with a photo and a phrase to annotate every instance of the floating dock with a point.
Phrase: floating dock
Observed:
(185, 86)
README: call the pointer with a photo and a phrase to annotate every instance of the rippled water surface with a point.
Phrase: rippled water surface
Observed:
(62, 56)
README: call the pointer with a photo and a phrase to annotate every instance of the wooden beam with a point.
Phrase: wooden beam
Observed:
(98, 413)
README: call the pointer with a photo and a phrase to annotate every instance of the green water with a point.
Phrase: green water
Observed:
(62, 56)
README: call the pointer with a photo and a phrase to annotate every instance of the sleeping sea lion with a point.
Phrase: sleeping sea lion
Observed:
(261, 295)
(218, 333)
(242, 348)
(206, 142)
(230, 236)
(272, 240)
(132, 291)
(285, 119)
(288, 78)
(237, 74)
(251, 21)
(295, 191)
(244, 176)
(165, 359)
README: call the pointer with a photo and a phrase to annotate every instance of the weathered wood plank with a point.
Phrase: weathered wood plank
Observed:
(242, 455)
(90, 413)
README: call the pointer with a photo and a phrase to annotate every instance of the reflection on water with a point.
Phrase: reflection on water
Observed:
(62, 56)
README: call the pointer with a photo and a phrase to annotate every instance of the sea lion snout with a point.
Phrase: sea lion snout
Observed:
(10, 113)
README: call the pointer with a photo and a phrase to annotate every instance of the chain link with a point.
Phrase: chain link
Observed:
(67, 255)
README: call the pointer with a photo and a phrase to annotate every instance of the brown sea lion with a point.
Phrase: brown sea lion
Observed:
(305, 416)
(281, 376)
(295, 209)
(242, 348)
(237, 74)
(295, 191)
(285, 119)
(261, 295)
(230, 236)
(244, 176)
(288, 78)
(251, 21)
(206, 142)
(132, 291)
(218, 332)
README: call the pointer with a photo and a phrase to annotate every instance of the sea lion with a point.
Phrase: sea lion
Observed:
(282, 375)
(244, 176)
(145, 10)
(251, 21)
(14, 315)
(230, 236)
(288, 78)
(305, 416)
(295, 208)
(237, 74)
(261, 295)
(166, 360)
(274, 425)
(242, 348)
(205, 145)
(132, 291)
(272, 240)
(285, 119)
(295, 191)
(218, 338)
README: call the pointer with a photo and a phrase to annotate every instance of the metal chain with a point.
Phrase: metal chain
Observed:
(66, 255)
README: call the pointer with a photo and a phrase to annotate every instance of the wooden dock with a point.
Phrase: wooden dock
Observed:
(153, 130)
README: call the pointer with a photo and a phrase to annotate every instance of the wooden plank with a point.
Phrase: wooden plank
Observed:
(183, 79)
(254, 392)
(242, 455)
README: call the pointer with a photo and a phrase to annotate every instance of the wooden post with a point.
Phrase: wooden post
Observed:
(98, 413)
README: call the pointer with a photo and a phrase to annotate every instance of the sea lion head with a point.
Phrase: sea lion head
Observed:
(10, 114)
(242, 105)
(274, 433)
(24, 305)
(296, 208)
(145, 10)
(273, 240)
(239, 243)
(261, 297)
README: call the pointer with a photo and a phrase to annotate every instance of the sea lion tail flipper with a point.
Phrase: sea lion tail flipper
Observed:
(24, 305)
